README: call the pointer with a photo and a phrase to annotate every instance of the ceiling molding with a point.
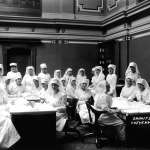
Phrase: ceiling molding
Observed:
(81, 7)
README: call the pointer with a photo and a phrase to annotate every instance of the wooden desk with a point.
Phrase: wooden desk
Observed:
(136, 116)
(36, 128)
(137, 129)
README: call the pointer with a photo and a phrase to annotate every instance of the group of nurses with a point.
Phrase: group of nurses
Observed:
(136, 88)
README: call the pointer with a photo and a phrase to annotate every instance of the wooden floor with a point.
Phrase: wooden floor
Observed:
(89, 144)
(73, 143)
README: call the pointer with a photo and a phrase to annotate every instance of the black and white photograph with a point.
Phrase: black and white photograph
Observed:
(74, 74)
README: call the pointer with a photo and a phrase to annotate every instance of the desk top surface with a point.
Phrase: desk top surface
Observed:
(127, 107)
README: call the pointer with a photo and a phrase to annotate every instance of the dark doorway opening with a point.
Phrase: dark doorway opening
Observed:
(22, 56)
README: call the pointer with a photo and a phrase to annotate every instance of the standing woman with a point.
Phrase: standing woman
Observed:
(2, 78)
(112, 79)
(11, 76)
(43, 74)
(81, 75)
(97, 78)
(57, 74)
(133, 71)
(68, 75)
(98, 75)
(28, 80)
(71, 88)
(83, 95)
(57, 99)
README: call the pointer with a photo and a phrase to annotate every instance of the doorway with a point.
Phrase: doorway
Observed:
(22, 56)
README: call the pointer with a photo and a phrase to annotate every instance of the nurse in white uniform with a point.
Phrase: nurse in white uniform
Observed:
(97, 78)
(81, 75)
(58, 100)
(28, 83)
(8, 133)
(142, 93)
(68, 75)
(112, 79)
(103, 101)
(129, 88)
(2, 77)
(43, 74)
(133, 71)
(57, 74)
(83, 94)
(11, 76)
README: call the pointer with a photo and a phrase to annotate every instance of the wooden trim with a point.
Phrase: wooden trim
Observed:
(33, 57)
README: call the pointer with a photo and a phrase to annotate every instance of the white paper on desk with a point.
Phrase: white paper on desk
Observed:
(43, 107)
(120, 103)
(19, 108)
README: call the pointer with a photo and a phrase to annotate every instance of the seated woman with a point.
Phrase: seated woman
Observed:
(83, 94)
(103, 101)
(129, 88)
(68, 75)
(17, 90)
(142, 93)
(81, 75)
(63, 84)
(8, 133)
(44, 90)
(71, 97)
(2, 78)
(133, 71)
(29, 82)
(57, 74)
(71, 88)
(112, 79)
(57, 99)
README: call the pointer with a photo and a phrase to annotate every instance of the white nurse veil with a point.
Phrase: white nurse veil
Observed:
(2, 73)
(129, 69)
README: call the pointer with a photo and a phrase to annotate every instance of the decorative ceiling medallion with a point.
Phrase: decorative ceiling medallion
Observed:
(111, 4)
(83, 5)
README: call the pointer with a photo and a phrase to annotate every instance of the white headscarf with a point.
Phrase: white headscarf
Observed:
(129, 77)
(132, 64)
(66, 76)
(79, 72)
(2, 73)
(80, 77)
(70, 90)
(101, 75)
(46, 81)
(27, 70)
(55, 73)
(66, 72)
(85, 80)
(69, 85)
(43, 65)
(143, 82)
(54, 81)
(113, 67)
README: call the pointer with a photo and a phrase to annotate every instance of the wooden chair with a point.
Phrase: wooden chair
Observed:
(73, 119)
(98, 128)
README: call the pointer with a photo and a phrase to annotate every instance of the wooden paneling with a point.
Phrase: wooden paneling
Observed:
(20, 7)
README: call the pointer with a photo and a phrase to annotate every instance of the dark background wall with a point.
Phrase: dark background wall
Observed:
(140, 53)
(62, 56)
